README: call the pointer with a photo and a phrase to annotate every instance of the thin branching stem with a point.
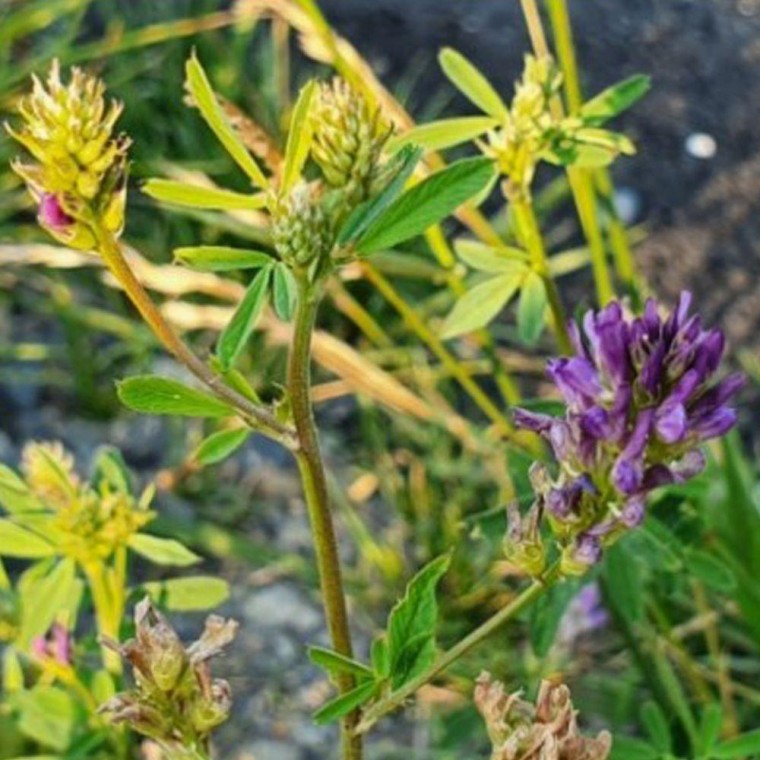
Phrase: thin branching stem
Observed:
(256, 416)
(397, 697)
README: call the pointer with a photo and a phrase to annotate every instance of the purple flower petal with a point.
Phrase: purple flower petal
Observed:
(576, 379)
(633, 511)
(538, 423)
(671, 422)
(715, 424)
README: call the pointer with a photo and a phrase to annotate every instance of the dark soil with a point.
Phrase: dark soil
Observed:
(702, 214)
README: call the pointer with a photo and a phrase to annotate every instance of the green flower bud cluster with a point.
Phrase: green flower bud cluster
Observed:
(175, 700)
(301, 228)
(78, 176)
(348, 138)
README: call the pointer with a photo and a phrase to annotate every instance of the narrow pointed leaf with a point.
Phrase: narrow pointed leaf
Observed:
(284, 292)
(336, 664)
(746, 745)
(218, 446)
(345, 703)
(446, 133)
(205, 99)
(17, 541)
(427, 203)
(531, 309)
(195, 592)
(160, 395)
(299, 137)
(219, 258)
(486, 258)
(614, 100)
(235, 336)
(363, 216)
(479, 305)
(472, 83)
(162, 551)
(195, 196)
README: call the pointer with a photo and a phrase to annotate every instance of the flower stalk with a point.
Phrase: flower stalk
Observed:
(311, 468)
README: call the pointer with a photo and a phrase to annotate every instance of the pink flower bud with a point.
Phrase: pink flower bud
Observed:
(51, 214)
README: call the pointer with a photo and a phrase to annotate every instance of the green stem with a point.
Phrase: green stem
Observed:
(559, 19)
(311, 468)
(530, 234)
(108, 618)
(256, 416)
(400, 695)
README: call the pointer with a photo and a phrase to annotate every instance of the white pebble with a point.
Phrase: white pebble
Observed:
(701, 145)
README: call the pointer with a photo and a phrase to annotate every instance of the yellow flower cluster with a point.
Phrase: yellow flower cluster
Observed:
(88, 522)
(79, 171)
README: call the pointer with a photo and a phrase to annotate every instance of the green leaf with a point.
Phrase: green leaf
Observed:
(151, 394)
(220, 258)
(47, 715)
(284, 292)
(446, 133)
(412, 624)
(365, 214)
(628, 748)
(208, 105)
(12, 671)
(710, 569)
(162, 551)
(615, 99)
(487, 258)
(479, 305)
(15, 496)
(656, 724)
(44, 596)
(709, 728)
(299, 137)
(531, 310)
(472, 83)
(194, 196)
(220, 445)
(345, 703)
(16, 541)
(381, 662)
(427, 203)
(235, 336)
(337, 664)
(623, 580)
(547, 613)
(744, 746)
(111, 468)
(193, 593)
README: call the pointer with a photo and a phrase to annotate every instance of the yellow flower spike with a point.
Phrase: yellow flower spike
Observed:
(78, 177)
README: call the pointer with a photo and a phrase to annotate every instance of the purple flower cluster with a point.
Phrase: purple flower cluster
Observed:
(640, 400)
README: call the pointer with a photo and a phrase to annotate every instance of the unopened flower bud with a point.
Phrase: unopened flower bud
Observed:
(348, 138)
(522, 545)
(166, 659)
(301, 230)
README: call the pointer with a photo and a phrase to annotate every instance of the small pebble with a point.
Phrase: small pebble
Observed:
(701, 145)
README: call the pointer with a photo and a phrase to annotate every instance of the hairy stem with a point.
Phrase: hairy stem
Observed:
(399, 696)
(256, 416)
(315, 488)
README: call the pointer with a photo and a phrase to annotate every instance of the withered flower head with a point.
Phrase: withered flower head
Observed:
(78, 172)
(548, 730)
(175, 699)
